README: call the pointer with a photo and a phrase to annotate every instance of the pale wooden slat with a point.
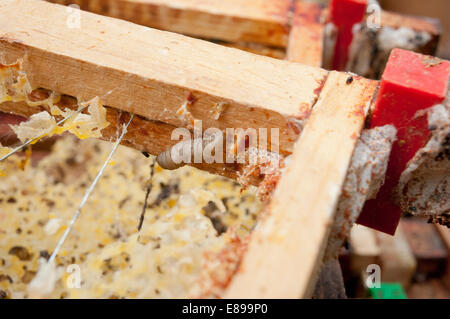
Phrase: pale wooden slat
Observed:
(396, 20)
(444, 233)
(307, 34)
(259, 21)
(286, 249)
(151, 72)
(397, 260)
(365, 250)
(143, 135)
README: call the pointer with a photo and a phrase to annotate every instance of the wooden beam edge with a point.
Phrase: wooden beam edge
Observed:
(286, 249)
(152, 76)
(306, 39)
(258, 21)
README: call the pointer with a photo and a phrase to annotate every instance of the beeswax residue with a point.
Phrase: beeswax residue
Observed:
(14, 86)
(188, 246)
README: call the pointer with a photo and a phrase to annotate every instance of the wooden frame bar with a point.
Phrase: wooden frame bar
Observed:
(283, 260)
(306, 38)
(155, 72)
(258, 21)
(153, 137)
(265, 27)
(153, 75)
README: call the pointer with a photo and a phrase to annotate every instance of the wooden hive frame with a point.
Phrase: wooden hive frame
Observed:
(291, 29)
(151, 77)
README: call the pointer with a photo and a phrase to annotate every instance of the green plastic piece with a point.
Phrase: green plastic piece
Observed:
(388, 291)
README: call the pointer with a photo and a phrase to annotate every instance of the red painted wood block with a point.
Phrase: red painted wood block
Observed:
(411, 82)
(345, 14)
